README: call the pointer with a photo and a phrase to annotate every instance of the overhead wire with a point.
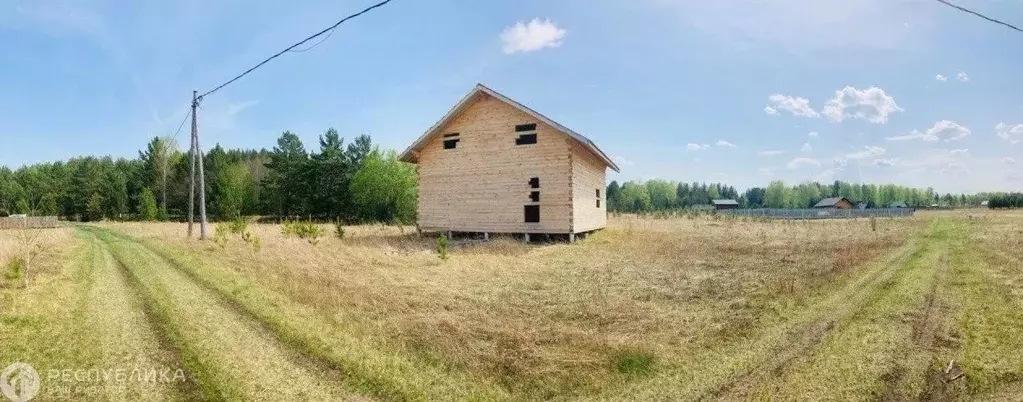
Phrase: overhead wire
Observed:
(290, 48)
(966, 10)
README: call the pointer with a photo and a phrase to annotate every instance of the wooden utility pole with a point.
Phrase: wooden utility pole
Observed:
(191, 170)
(196, 159)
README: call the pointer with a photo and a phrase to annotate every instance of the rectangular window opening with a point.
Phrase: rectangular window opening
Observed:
(525, 127)
(532, 213)
(535, 196)
(450, 135)
(534, 182)
(450, 144)
(526, 139)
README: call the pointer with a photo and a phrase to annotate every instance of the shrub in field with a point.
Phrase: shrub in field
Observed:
(221, 234)
(873, 223)
(339, 230)
(302, 230)
(633, 362)
(238, 226)
(15, 269)
(442, 246)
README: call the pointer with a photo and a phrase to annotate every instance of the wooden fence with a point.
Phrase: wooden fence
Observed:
(28, 222)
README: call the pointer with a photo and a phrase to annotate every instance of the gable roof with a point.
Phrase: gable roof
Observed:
(725, 202)
(830, 202)
(480, 90)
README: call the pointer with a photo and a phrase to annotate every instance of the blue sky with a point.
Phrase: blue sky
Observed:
(900, 91)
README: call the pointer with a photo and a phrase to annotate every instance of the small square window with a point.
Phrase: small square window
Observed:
(535, 196)
(534, 182)
(450, 144)
(532, 213)
(598, 202)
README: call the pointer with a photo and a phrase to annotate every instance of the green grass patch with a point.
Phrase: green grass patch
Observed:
(635, 362)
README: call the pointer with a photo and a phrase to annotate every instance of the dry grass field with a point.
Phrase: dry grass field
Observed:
(663, 309)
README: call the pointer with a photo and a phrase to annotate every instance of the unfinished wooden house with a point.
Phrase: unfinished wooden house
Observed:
(492, 165)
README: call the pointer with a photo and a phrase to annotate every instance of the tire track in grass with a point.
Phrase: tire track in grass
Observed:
(737, 367)
(367, 366)
(126, 336)
(882, 350)
(801, 341)
(231, 356)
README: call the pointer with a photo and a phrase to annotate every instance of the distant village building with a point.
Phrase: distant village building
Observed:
(725, 204)
(898, 204)
(493, 165)
(834, 203)
(861, 205)
(984, 203)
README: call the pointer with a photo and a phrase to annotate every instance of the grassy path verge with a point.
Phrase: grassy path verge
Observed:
(230, 356)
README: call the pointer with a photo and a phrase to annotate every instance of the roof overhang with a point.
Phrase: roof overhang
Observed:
(411, 154)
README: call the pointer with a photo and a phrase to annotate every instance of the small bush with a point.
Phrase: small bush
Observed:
(633, 362)
(221, 234)
(239, 225)
(339, 230)
(252, 239)
(442, 247)
(15, 269)
(302, 230)
(873, 224)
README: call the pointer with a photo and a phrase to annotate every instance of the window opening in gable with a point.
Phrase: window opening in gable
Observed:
(532, 213)
(534, 182)
(535, 196)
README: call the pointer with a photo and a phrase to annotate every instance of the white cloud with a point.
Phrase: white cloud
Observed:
(885, 162)
(803, 162)
(962, 76)
(871, 104)
(813, 134)
(941, 78)
(771, 152)
(1009, 161)
(943, 130)
(766, 171)
(726, 144)
(621, 161)
(867, 152)
(796, 106)
(535, 35)
(959, 152)
(806, 147)
(696, 147)
(1011, 133)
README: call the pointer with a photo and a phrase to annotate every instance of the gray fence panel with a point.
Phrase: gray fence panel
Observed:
(820, 213)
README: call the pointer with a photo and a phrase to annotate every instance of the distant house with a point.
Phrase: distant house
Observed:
(983, 203)
(834, 203)
(861, 205)
(898, 204)
(725, 204)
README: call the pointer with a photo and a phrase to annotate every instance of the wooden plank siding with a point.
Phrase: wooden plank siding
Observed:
(588, 176)
(482, 184)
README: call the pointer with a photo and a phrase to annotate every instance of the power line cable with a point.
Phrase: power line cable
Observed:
(182, 125)
(289, 48)
(966, 10)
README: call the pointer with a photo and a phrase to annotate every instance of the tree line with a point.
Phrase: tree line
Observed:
(661, 195)
(354, 183)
